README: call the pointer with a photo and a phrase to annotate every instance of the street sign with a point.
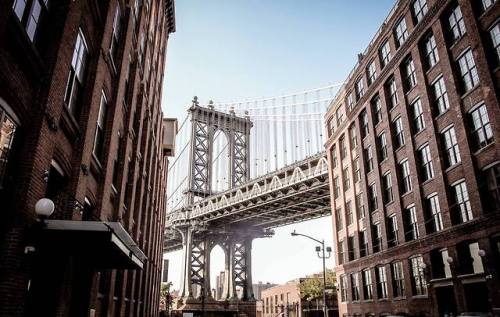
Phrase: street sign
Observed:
(187, 314)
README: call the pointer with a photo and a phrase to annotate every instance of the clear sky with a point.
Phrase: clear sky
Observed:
(233, 49)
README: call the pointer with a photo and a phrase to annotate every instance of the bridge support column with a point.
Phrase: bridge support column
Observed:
(248, 292)
(186, 282)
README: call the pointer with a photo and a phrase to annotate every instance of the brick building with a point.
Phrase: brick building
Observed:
(415, 164)
(81, 124)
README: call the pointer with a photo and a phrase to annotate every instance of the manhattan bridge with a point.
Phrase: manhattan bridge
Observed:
(240, 170)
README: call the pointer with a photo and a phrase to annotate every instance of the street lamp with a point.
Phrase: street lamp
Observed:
(44, 208)
(323, 257)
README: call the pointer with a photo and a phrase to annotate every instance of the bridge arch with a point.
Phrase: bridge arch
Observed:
(218, 272)
(221, 167)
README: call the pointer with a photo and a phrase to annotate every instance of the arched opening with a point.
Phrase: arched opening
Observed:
(218, 273)
(220, 162)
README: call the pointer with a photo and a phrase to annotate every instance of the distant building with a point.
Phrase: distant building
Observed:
(259, 287)
(219, 285)
(414, 155)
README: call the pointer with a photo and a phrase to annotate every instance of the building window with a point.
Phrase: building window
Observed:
(75, 81)
(427, 171)
(343, 148)
(363, 118)
(400, 32)
(469, 259)
(7, 133)
(387, 183)
(363, 243)
(495, 40)
(340, 224)
(418, 116)
(392, 92)
(441, 102)
(487, 3)
(398, 282)
(350, 216)
(100, 128)
(368, 159)
(350, 101)
(399, 138)
(468, 71)
(481, 128)
(372, 203)
(115, 36)
(419, 284)
(419, 9)
(357, 170)
(381, 282)
(411, 223)
(343, 288)
(30, 14)
(385, 54)
(392, 239)
(430, 51)
(360, 206)
(489, 187)
(347, 179)
(367, 284)
(404, 168)
(461, 209)
(333, 153)
(440, 265)
(371, 73)
(456, 24)
(339, 115)
(330, 127)
(434, 215)
(377, 237)
(350, 249)
(336, 185)
(353, 135)
(360, 89)
(451, 146)
(355, 286)
(382, 146)
(410, 74)
(376, 109)
(341, 252)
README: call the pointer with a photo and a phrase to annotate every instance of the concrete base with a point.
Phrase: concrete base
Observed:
(213, 308)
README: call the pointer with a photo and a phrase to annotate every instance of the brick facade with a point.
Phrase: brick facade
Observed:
(454, 200)
(53, 151)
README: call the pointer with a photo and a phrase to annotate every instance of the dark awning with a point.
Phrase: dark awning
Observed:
(104, 244)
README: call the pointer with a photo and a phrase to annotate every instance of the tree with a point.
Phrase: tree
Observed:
(312, 287)
(164, 292)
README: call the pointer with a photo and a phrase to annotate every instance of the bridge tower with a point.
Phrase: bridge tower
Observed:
(198, 239)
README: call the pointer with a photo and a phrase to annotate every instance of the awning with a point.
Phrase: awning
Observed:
(104, 244)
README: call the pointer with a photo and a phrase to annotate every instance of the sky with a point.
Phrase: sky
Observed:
(229, 50)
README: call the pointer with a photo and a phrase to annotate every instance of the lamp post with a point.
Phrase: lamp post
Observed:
(323, 257)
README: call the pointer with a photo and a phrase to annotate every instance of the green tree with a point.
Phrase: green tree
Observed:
(312, 287)
(164, 291)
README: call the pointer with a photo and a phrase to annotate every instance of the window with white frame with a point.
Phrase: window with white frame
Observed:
(411, 223)
(360, 207)
(392, 92)
(392, 223)
(376, 109)
(426, 162)
(419, 10)
(75, 81)
(450, 143)
(431, 54)
(357, 170)
(349, 213)
(343, 288)
(418, 116)
(381, 282)
(363, 243)
(462, 210)
(410, 74)
(400, 32)
(487, 4)
(399, 138)
(347, 179)
(456, 24)
(367, 284)
(387, 183)
(385, 53)
(115, 36)
(363, 118)
(441, 102)
(8, 129)
(368, 159)
(382, 146)
(495, 40)
(434, 215)
(353, 135)
(355, 286)
(30, 14)
(336, 186)
(419, 283)
(468, 71)
(360, 88)
(372, 196)
(482, 134)
(350, 101)
(377, 237)
(398, 281)
(489, 187)
(98, 149)
(406, 185)
(371, 72)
